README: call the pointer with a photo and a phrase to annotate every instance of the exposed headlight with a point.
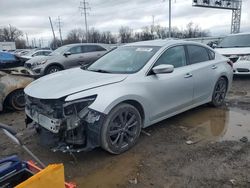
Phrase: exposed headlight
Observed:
(245, 58)
(78, 106)
(42, 62)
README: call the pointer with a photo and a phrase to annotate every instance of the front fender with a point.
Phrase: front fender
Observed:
(110, 96)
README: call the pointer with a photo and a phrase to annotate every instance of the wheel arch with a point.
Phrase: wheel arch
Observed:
(138, 106)
(5, 100)
(54, 64)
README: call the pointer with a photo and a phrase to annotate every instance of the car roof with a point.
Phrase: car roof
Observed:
(106, 46)
(236, 34)
(163, 42)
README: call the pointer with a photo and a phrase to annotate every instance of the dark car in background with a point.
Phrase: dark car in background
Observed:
(8, 60)
(68, 56)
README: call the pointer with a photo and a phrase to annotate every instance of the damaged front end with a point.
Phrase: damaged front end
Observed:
(65, 126)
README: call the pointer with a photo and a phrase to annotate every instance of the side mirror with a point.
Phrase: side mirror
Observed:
(161, 69)
(214, 45)
(67, 54)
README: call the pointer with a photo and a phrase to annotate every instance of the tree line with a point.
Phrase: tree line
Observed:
(124, 35)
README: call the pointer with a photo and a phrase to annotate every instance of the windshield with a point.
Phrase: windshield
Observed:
(59, 51)
(235, 41)
(124, 60)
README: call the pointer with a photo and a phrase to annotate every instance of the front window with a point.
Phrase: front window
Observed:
(124, 60)
(30, 53)
(235, 41)
(174, 56)
(59, 51)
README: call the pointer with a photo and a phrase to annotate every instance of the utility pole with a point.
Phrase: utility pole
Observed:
(53, 32)
(60, 31)
(84, 7)
(27, 39)
(169, 27)
(153, 26)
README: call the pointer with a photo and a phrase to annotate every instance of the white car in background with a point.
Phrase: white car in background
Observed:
(34, 53)
(237, 48)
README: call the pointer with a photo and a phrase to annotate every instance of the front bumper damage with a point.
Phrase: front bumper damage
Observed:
(66, 133)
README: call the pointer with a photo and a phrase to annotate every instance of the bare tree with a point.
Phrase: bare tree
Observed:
(75, 36)
(108, 38)
(10, 34)
(125, 34)
(94, 35)
(194, 31)
(21, 44)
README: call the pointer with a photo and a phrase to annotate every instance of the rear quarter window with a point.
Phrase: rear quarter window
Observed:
(197, 54)
(211, 54)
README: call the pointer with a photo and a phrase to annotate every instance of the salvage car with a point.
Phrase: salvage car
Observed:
(237, 48)
(66, 57)
(8, 60)
(34, 53)
(130, 88)
(12, 83)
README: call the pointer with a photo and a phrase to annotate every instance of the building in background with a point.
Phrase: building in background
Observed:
(7, 46)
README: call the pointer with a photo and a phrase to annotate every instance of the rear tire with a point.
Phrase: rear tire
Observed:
(220, 91)
(16, 100)
(52, 69)
(121, 129)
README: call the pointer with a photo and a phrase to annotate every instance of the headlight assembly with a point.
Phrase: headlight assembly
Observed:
(245, 58)
(41, 63)
(77, 107)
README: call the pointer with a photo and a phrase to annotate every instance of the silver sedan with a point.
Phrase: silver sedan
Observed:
(130, 88)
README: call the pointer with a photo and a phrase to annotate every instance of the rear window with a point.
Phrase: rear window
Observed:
(93, 48)
(234, 41)
(197, 54)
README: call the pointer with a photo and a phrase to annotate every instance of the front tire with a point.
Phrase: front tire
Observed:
(52, 69)
(121, 129)
(220, 91)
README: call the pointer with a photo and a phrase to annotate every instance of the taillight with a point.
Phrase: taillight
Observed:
(230, 63)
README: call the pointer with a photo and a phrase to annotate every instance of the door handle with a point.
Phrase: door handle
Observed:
(188, 75)
(214, 67)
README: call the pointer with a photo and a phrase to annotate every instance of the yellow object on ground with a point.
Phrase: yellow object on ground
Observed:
(50, 177)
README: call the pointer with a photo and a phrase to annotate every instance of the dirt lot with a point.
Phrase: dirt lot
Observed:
(199, 148)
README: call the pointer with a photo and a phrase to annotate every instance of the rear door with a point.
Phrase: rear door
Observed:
(170, 92)
(204, 71)
(92, 53)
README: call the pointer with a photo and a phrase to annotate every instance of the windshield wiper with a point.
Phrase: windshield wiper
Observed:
(98, 70)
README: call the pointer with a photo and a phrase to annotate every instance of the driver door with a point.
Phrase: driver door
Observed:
(73, 60)
(170, 92)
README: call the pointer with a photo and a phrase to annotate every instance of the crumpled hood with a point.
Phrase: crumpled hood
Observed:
(233, 51)
(70, 81)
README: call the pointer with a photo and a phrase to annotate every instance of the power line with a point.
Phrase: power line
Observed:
(84, 7)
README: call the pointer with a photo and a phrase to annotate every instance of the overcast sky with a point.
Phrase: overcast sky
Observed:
(31, 16)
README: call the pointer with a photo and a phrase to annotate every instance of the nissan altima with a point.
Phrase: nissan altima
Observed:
(132, 87)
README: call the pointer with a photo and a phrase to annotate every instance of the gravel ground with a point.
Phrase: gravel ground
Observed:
(199, 148)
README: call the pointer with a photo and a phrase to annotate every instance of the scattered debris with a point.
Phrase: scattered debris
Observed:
(146, 133)
(244, 139)
(133, 181)
(189, 142)
(233, 181)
